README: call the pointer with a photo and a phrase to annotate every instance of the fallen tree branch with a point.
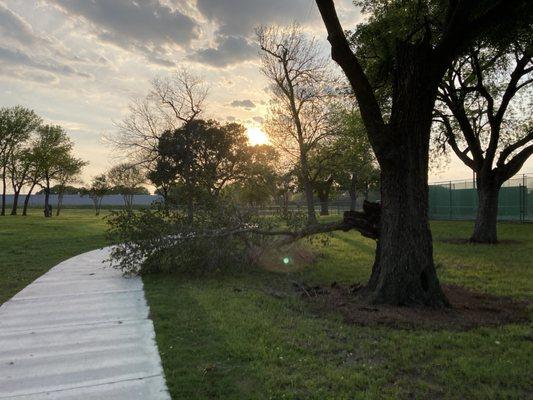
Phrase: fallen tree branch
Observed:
(366, 222)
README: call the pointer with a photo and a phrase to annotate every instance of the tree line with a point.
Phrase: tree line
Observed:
(38, 158)
(34, 154)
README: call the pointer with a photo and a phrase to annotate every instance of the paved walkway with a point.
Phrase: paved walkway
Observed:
(81, 331)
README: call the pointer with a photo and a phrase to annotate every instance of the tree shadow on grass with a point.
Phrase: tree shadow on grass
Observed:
(198, 360)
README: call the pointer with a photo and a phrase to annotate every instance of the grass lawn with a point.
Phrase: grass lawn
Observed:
(30, 246)
(250, 336)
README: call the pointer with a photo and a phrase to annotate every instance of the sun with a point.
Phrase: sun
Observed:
(256, 136)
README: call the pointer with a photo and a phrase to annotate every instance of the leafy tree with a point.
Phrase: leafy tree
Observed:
(96, 191)
(127, 178)
(16, 125)
(258, 184)
(300, 87)
(395, 65)
(485, 119)
(52, 153)
(357, 166)
(200, 159)
(19, 170)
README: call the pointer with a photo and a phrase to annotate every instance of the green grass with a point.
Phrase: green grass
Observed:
(248, 336)
(30, 246)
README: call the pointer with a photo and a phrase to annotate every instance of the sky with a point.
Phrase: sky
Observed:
(79, 63)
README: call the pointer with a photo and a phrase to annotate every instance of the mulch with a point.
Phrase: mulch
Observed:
(468, 309)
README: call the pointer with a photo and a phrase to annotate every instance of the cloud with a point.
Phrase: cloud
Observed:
(229, 51)
(240, 17)
(248, 104)
(18, 58)
(259, 120)
(14, 27)
(146, 26)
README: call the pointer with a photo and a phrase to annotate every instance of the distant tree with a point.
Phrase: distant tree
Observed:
(52, 156)
(258, 184)
(300, 86)
(200, 159)
(171, 103)
(96, 191)
(19, 170)
(127, 178)
(16, 125)
(484, 116)
(358, 169)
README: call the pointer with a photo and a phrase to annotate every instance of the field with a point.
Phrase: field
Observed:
(250, 335)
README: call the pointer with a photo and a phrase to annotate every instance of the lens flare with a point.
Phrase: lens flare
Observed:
(286, 260)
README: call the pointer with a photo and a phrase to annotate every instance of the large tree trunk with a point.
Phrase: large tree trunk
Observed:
(404, 272)
(485, 228)
(353, 192)
(15, 202)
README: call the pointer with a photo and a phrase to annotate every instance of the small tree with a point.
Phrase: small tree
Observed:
(96, 191)
(19, 170)
(16, 125)
(126, 178)
(52, 156)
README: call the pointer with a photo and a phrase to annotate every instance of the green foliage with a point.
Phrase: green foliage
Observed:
(200, 158)
(167, 240)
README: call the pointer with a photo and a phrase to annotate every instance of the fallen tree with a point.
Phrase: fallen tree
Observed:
(163, 240)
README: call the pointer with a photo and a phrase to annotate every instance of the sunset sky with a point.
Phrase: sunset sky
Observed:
(78, 63)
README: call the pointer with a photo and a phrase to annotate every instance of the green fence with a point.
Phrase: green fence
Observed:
(458, 199)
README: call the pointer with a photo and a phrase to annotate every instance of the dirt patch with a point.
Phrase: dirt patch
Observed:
(469, 309)
(467, 241)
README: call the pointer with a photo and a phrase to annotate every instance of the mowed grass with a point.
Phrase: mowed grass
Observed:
(31, 245)
(249, 336)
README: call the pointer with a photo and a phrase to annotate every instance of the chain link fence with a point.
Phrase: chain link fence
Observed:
(458, 200)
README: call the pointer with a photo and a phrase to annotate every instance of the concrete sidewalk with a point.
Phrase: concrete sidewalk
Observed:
(81, 331)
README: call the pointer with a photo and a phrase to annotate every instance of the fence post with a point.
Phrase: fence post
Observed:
(451, 199)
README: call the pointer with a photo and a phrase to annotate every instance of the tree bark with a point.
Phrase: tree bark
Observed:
(15, 202)
(485, 228)
(404, 271)
(59, 203)
(47, 212)
(27, 200)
